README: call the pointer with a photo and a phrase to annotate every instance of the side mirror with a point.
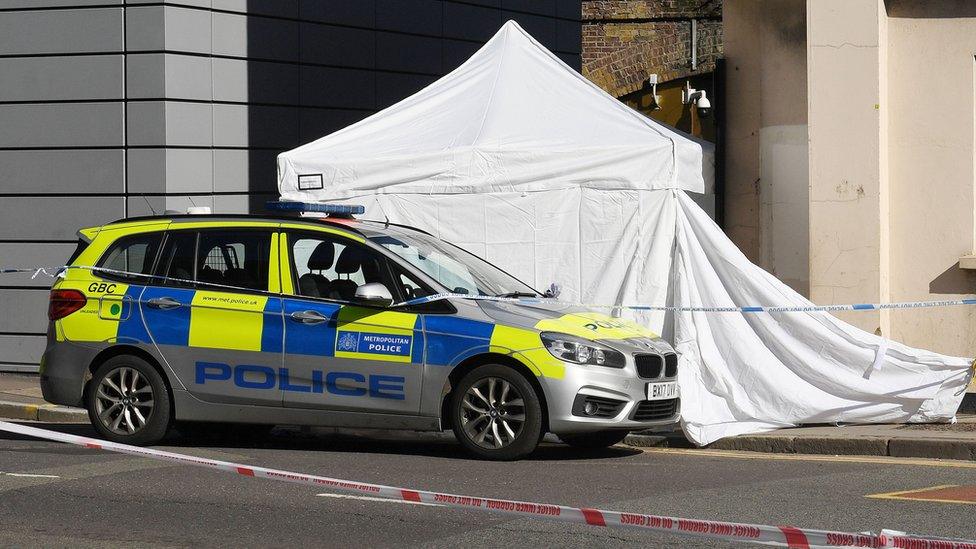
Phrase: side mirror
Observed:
(373, 294)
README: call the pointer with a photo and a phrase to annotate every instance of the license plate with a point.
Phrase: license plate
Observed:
(662, 391)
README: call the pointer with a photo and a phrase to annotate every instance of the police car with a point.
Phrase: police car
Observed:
(336, 321)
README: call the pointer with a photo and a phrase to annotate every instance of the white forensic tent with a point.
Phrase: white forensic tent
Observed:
(518, 158)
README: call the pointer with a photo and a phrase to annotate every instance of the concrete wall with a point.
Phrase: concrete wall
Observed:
(115, 108)
(931, 111)
(886, 146)
(846, 61)
(766, 112)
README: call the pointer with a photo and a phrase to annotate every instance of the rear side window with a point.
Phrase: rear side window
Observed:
(217, 258)
(234, 258)
(129, 257)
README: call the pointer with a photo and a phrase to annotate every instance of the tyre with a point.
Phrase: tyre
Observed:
(128, 401)
(599, 439)
(496, 413)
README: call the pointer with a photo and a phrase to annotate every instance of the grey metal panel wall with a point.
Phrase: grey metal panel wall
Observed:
(112, 108)
(31, 307)
(62, 148)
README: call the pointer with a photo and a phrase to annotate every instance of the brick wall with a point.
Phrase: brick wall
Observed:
(625, 40)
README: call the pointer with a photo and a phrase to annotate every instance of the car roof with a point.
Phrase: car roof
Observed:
(364, 227)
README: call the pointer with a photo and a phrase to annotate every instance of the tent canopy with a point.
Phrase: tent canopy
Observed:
(513, 117)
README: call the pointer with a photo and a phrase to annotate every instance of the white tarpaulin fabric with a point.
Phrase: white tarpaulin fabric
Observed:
(546, 176)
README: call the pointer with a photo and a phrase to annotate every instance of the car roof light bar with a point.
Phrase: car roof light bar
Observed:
(335, 210)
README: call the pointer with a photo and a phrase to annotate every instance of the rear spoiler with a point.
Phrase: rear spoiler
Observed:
(89, 234)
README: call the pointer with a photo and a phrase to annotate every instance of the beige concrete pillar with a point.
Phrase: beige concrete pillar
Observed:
(767, 199)
(846, 75)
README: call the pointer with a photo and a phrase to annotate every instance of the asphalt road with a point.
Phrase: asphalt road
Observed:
(73, 496)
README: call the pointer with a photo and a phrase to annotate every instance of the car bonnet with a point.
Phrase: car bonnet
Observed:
(555, 316)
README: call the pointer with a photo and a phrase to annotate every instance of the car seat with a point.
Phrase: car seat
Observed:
(210, 275)
(238, 277)
(353, 260)
(312, 284)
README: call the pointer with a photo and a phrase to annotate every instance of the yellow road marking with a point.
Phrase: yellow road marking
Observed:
(905, 495)
(880, 460)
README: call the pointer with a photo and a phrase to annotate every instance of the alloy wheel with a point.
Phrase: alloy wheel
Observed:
(124, 401)
(492, 413)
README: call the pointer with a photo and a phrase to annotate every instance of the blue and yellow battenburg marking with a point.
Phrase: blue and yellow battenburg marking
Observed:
(223, 320)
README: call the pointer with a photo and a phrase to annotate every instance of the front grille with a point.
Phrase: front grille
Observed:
(649, 366)
(670, 365)
(651, 410)
(605, 407)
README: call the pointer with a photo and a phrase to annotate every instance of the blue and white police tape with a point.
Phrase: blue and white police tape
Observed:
(780, 536)
(35, 271)
(58, 271)
(729, 309)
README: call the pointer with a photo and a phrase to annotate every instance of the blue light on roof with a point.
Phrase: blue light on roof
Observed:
(334, 209)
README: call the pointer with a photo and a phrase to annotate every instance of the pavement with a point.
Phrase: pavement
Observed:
(20, 398)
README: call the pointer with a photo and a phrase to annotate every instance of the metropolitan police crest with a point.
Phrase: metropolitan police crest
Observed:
(348, 341)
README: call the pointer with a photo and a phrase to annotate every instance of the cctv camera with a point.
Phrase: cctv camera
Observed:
(698, 98)
(704, 105)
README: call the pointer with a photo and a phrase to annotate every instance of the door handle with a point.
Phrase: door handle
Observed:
(308, 317)
(163, 303)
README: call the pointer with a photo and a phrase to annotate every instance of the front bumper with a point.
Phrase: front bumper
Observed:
(622, 386)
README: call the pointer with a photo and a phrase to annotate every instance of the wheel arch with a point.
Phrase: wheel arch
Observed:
(124, 349)
(472, 362)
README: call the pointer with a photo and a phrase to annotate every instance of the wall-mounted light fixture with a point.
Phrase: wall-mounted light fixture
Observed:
(655, 98)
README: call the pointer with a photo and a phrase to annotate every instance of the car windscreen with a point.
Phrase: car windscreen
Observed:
(457, 270)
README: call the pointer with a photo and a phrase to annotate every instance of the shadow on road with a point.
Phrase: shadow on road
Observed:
(436, 445)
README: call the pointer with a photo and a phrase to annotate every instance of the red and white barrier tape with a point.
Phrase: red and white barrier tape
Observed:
(782, 536)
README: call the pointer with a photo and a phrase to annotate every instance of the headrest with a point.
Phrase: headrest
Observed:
(350, 260)
(322, 256)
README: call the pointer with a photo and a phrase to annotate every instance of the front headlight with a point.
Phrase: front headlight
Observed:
(581, 351)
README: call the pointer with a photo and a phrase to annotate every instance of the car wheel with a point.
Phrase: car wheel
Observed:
(128, 402)
(599, 439)
(496, 413)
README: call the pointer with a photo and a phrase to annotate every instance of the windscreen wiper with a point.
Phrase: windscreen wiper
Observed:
(517, 294)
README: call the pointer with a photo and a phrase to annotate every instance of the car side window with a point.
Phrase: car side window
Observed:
(175, 266)
(234, 258)
(410, 287)
(222, 259)
(331, 267)
(131, 254)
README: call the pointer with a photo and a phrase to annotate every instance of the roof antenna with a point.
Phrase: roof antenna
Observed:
(148, 203)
